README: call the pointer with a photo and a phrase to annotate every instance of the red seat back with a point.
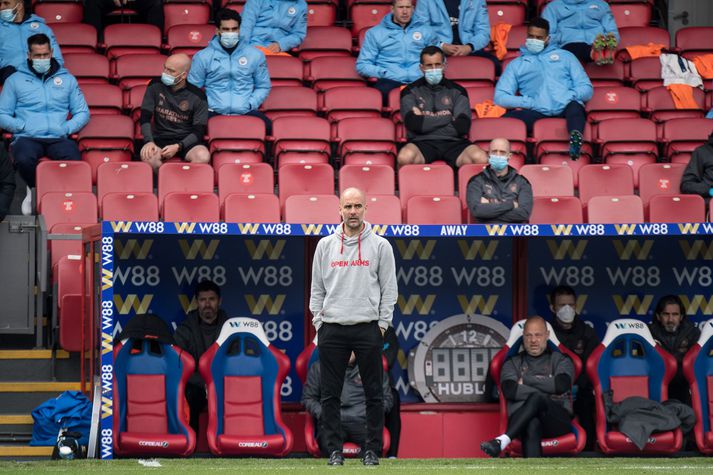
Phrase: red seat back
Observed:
(243, 406)
(146, 404)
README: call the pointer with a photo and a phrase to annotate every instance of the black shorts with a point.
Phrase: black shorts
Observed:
(181, 153)
(446, 150)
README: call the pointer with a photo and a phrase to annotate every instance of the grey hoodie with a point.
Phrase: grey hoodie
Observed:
(353, 279)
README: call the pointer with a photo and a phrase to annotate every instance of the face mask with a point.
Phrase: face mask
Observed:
(168, 80)
(8, 15)
(534, 46)
(497, 162)
(566, 314)
(229, 39)
(433, 76)
(41, 65)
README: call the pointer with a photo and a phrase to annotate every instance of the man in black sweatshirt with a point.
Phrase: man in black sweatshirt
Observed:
(537, 384)
(698, 176)
(437, 115)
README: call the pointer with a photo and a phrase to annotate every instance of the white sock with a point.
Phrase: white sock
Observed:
(504, 441)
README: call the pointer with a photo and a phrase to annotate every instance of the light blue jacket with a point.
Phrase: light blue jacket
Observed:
(270, 21)
(392, 52)
(579, 21)
(547, 82)
(235, 84)
(13, 41)
(473, 21)
(36, 107)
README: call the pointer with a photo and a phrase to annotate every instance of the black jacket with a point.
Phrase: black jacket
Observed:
(678, 345)
(446, 104)
(581, 340)
(7, 183)
(698, 176)
(189, 336)
(502, 193)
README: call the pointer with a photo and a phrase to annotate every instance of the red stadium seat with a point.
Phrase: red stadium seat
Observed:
(682, 136)
(312, 209)
(75, 37)
(60, 12)
(371, 179)
(383, 209)
(68, 278)
(477, 95)
(551, 140)
(484, 130)
(236, 135)
(510, 14)
(88, 68)
(556, 210)
(366, 15)
(184, 178)
(123, 177)
(189, 39)
(659, 179)
(605, 180)
(641, 35)
(565, 161)
(470, 71)
(325, 41)
(285, 70)
(326, 72)
(107, 138)
(661, 108)
(103, 99)
(62, 176)
(615, 209)
(60, 248)
(245, 179)
(627, 137)
(694, 41)
(290, 101)
(194, 13)
(321, 14)
(300, 140)
(263, 208)
(635, 161)
(613, 74)
(677, 209)
(549, 180)
(79, 207)
(424, 180)
(342, 102)
(366, 141)
(133, 69)
(123, 38)
(632, 14)
(645, 73)
(129, 207)
(697, 364)
(96, 158)
(133, 98)
(616, 102)
(191, 207)
(433, 210)
(515, 41)
(313, 179)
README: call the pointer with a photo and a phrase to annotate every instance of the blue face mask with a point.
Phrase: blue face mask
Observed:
(41, 65)
(8, 15)
(168, 80)
(229, 39)
(433, 76)
(497, 162)
(534, 46)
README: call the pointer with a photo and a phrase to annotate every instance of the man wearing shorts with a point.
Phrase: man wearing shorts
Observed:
(437, 115)
(180, 114)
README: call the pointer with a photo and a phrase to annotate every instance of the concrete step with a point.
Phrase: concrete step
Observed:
(21, 397)
(13, 424)
(36, 365)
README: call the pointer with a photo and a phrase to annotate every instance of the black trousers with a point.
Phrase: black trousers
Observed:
(584, 409)
(582, 51)
(335, 343)
(197, 401)
(538, 419)
(574, 114)
(393, 424)
(349, 432)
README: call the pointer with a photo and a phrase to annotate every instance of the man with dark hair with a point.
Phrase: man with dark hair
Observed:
(391, 49)
(174, 115)
(233, 73)
(580, 339)
(698, 175)
(17, 24)
(196, 334)
(537, 384)
(276, 25)
(149, 11)
(34, 106)
(437, 116)
(545, 81)
(672, 329)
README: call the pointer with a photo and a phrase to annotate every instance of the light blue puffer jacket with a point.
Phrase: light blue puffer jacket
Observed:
(547, 82)
(235, 84)
(392, 52)
(473, 21)
(579, 21)
(13, 40)
(34, 107)
(270, 21)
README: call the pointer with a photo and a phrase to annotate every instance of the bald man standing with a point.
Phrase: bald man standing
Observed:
(354, 291)
(180, 114)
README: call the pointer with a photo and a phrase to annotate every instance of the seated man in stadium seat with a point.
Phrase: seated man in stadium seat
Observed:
(233, 73)
(537, 384)
(390, 53)
(499, 194)
(672, 329)
(353, 400)
(580, 339)
(463, 26)
(179, 112)
(196, 334)
(34, 105)
(7, 183)
(150, 11)
(437, 116)
(698, 176)
(276, 25)
(576, 24)
(16, 25)
(545, 81)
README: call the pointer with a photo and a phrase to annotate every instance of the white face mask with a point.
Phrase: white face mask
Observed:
(566, 314)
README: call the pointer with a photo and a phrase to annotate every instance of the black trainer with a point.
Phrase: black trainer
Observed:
(336, 458)
(491, 447)
(370, 458)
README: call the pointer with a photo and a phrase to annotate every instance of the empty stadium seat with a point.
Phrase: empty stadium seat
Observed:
(682, 136)
(641, 35)
(694, 41)
(68, 278)
(321, 14)
(326, 72)
(615, 209)
(556, 210)
(312, 209)
(470, 71)
(325, 41)
(62, 176)
(133, 69)
(262, 208)
(645, 73)
(122, 206)
(677, 209)
(302, 140)
(107, 138)
(184, 178)
(285, 70)
(60, 248)
(607, 75)
(616, 102)
(189, 39)
(366, 141)
(371, 179)
(698, 369)
(88, 67)
(60, 12)
(383, 209)
(660, 107)
(133, 98)
(236, 135)
(366, 15)
(285, 101)
(632, 14)
(630, 363)
(547, 180)
(243, 375)
(103, 99)
(123, 177)
(628, 137)
(67, 207)
(635, 161)
(477, 95)
(551, 140)
(245, 179)
(343, 102)
(193, 207)
(508, 13)
(75, 37)
(424, 180)
(603, 180)
(123, 38)
(515, 41)
(659, 179)
(565, 161)
(296, 179)
(193, 13)
(433, 210)
(484, 130)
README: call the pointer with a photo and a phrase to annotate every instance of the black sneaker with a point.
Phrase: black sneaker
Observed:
(370, 458)
(491, 447)
(336, 458)
(575, 144)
